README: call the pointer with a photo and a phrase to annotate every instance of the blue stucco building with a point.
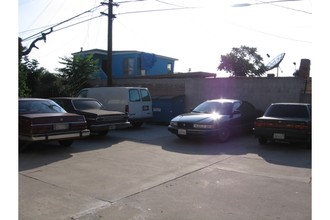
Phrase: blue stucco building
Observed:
(130, 64)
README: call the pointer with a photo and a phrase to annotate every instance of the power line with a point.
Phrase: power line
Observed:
(51, 27)
(155, 10)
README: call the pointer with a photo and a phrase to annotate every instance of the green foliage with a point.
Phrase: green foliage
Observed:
(243, 61)
(23, 90)
(77, 72)
(35, 81)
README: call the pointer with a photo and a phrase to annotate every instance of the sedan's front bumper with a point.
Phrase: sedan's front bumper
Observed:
(194, 133)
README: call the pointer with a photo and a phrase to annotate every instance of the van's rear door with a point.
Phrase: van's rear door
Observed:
(140, 105)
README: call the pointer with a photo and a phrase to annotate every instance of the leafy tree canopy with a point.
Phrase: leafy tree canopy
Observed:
(76, 73)
(243, 61)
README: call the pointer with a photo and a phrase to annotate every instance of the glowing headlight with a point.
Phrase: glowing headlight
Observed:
(174, 124)
(203, 126)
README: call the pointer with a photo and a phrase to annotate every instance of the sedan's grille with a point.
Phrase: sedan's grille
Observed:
(185, 125)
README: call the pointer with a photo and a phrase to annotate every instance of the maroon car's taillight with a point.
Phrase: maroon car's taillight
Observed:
(79, 126)
(25, 125)
(259, 124)
(126, 109)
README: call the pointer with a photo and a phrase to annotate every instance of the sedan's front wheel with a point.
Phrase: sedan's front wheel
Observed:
(224, 134)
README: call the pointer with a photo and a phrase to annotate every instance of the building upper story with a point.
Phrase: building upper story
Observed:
(130, 64)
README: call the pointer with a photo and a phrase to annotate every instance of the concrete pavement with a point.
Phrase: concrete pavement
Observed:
(149, 173)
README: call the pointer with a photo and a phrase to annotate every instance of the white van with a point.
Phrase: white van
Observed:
(135, 101)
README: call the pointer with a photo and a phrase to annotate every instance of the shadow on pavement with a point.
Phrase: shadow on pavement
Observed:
(41, 154)
(277, 153)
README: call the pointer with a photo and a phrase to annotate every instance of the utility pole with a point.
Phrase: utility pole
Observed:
(111, 16)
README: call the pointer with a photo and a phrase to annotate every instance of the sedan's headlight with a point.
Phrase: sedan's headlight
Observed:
(174, 124)
(203, 126)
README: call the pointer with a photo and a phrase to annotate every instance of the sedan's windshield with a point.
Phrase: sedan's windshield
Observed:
(222, 108)
(87, 104)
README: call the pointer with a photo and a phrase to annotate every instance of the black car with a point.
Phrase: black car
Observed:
(285, 122)
(42, 120)
(217, 119)
(99, 120)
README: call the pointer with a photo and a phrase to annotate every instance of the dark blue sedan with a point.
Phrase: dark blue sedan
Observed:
(218, 119)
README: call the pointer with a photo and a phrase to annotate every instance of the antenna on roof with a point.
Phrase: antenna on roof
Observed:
(275, 63)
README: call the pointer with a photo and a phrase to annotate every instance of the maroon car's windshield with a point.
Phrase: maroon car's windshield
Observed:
(287, 111)
(39, 106)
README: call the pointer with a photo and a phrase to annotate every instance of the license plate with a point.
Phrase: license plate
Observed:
(61, 126)
(182, 132)
(278, 136)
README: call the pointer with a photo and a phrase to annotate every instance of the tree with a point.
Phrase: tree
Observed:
(243, 61)
(77, 72)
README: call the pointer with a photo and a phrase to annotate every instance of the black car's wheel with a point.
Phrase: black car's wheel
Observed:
(66, 143)
(103, 133)
(224, 134)
(136, 124)
(262, 141)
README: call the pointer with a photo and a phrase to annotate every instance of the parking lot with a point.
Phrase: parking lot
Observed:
(149, 173)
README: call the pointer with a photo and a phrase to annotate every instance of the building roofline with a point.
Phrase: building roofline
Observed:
(104, 52)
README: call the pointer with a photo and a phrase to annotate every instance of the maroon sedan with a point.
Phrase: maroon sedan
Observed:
(44, 120)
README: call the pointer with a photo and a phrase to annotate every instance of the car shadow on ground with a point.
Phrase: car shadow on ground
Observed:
(294, 155)
(41, 154)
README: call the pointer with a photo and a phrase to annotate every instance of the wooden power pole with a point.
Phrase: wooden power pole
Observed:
(111, 16)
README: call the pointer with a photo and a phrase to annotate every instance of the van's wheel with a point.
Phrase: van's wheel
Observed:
(66, 143)
(136, 124)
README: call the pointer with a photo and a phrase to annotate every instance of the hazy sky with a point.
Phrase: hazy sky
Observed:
(197, 32)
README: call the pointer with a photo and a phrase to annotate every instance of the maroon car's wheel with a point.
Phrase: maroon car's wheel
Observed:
(224, 134)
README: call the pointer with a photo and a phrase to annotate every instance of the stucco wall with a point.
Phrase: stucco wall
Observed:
(260, 91)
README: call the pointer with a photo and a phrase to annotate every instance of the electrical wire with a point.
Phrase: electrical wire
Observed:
(74, 17)
(281, 6)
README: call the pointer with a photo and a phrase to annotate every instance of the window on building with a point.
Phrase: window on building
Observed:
(129, 66)
(169, 68)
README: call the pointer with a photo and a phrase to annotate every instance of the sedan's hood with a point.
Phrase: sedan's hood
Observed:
(100, 112)
(198, 118)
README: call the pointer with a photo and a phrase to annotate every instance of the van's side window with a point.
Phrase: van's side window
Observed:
(134, 95)
(145, 95)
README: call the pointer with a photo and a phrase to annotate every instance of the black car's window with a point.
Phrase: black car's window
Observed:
(39, 106)
(223, 108)
(87, 104)
(287, 111)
